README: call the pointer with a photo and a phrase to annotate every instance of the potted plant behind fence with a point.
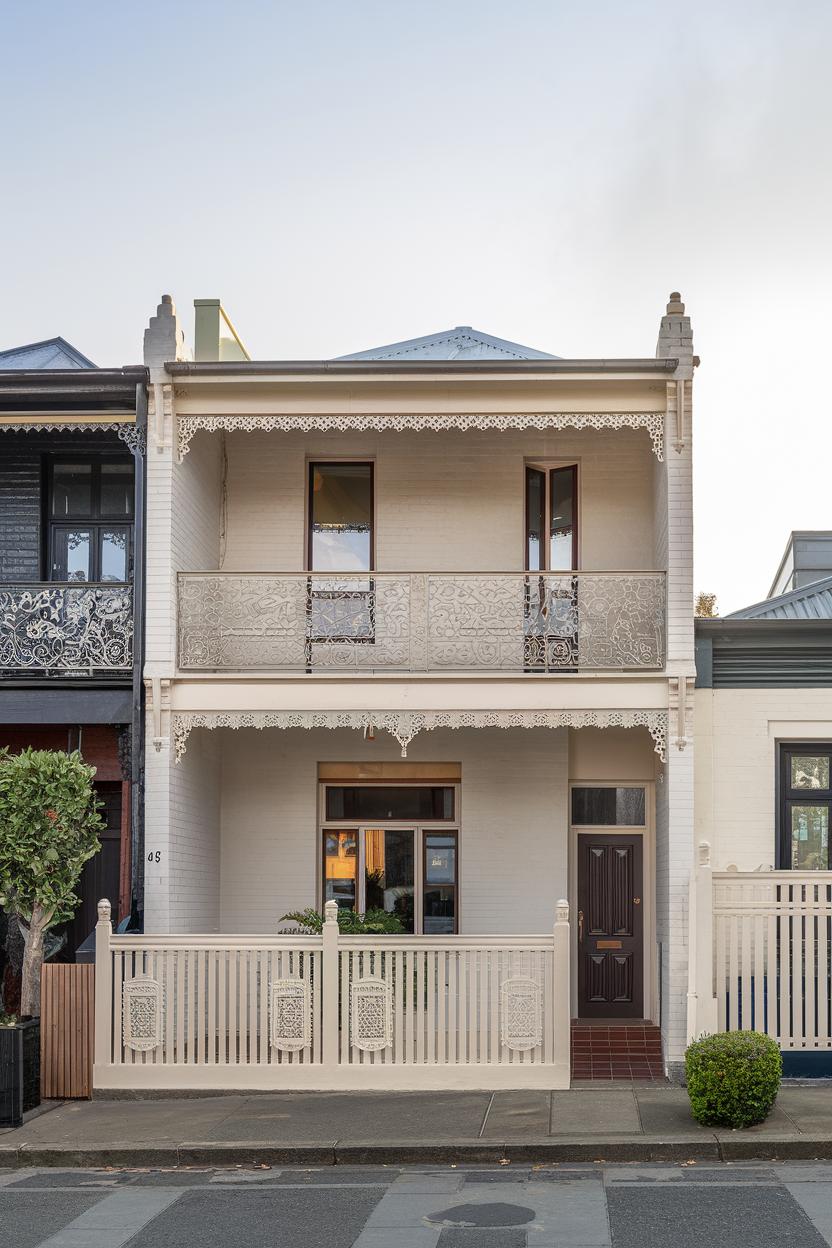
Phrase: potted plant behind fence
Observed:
(49, 825)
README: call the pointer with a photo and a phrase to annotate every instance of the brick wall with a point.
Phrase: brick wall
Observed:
(446, 502)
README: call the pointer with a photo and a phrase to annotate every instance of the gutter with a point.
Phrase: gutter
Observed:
(470, 368)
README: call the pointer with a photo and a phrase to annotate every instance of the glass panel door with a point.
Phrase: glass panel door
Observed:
(389, 872)
(563, 529)
(439, 890)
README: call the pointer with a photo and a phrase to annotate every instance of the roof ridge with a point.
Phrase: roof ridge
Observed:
(428, 344)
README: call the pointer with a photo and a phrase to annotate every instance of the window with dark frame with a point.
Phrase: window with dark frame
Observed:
(90, 505)
(805, 806)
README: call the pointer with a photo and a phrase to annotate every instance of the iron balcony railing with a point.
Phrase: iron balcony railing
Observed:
(74, 628)
(422, 621)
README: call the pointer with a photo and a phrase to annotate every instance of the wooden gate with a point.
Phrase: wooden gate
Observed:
(67, 1028)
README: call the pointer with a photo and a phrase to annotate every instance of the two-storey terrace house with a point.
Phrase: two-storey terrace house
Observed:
(419, 637)
(71, 555)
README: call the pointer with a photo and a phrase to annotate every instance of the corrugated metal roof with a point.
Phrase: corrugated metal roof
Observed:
(51, 353)
(461, 343)
(810, 602)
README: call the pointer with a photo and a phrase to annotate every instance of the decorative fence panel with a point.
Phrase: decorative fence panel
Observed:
(772, 955)
(426, 621)
(332, 1011)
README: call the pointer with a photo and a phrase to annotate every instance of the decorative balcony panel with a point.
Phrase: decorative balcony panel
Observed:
(422, 622)
(69, 628)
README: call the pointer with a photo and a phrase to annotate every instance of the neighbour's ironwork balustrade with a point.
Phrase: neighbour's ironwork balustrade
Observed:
(422, 622)
(68, 627)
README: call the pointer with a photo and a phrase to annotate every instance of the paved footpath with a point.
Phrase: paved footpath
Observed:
(739, 1205)
(596, 1123)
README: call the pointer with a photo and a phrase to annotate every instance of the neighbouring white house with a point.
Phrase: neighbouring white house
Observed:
(762, 902)
(419, 637)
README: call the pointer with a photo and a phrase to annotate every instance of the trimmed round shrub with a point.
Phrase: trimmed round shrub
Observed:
(733, 1078)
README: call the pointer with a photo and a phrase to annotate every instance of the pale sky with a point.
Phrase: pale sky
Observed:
(347, 174)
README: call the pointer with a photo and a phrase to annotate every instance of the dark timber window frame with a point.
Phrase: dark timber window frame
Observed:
(788, 796)
(95, 520)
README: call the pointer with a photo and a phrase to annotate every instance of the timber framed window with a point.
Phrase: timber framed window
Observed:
(805, 806)
(340, 538)
(393, 847)
(90, 519)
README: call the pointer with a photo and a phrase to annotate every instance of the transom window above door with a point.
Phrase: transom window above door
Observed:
(90, 514)
(394, 862)
(805, 807)
(551, 518)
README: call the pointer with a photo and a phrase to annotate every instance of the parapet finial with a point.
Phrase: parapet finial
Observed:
(675, 307)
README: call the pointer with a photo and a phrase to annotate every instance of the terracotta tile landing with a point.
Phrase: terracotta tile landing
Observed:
(615, 1049)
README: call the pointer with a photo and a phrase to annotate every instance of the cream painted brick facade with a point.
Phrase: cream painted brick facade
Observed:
(737, 731)
(461, 493)
(232, 830)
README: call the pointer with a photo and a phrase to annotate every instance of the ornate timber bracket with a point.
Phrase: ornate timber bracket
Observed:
(404, 725)
(681, 694)
(653, 422)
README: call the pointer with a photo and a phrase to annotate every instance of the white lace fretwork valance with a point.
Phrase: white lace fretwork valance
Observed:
(404, 725)
(322, 422)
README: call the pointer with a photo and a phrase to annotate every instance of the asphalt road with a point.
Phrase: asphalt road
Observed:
(626, 1206)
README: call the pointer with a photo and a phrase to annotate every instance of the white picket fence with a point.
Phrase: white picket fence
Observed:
(772, 934)
(331, 1011)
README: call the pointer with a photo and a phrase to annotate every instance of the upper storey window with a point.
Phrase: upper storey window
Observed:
(340, 517)
(90, 509)
(551, 518)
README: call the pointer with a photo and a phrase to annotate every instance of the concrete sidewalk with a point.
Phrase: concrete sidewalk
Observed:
(602, 1123)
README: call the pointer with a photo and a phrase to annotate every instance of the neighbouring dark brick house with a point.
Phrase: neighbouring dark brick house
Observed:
(72, 439)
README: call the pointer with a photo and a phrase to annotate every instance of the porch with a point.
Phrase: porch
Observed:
(480, 844)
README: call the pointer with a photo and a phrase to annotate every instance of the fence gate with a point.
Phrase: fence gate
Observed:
(67, 1021)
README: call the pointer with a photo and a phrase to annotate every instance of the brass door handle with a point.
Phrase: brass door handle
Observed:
(580, 925)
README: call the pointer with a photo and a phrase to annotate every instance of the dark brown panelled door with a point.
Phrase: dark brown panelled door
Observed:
(610, 927)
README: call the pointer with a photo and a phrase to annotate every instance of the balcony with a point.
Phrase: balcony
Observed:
(421, 622)
(77, 629)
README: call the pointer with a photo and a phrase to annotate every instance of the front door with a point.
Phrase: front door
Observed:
(610, 926)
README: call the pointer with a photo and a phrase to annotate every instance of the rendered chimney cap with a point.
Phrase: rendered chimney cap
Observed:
(167, 298)
(675, 306)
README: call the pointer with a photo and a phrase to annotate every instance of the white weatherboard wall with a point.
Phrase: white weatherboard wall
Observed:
(736, 765)
(513, 838)
(449, 501)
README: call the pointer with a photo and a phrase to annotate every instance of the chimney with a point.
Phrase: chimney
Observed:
(676, 335)
(164, 341)
(210, 343)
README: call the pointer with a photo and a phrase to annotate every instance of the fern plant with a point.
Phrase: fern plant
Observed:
(373, 922)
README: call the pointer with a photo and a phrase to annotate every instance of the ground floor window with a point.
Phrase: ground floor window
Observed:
(805, 806)
(379, 851)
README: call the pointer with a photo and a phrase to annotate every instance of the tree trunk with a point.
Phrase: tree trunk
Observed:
(33, 934)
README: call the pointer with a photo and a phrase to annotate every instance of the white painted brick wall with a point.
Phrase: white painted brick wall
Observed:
(736, 765)
(445, 502)
(513, 856)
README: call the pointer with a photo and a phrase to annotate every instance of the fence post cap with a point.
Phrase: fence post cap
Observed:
(104, 910)
(331, 912)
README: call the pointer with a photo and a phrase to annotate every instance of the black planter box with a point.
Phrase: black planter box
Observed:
(19, 1071)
